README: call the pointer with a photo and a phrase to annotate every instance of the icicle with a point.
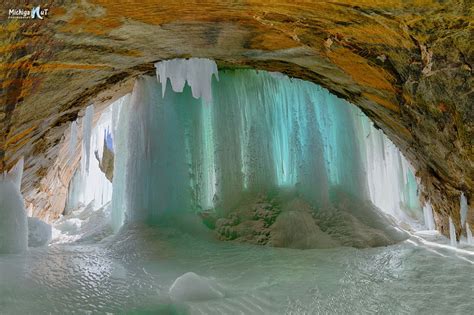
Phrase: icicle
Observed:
(428, 215)
(452, 233)
(463, 208)
(197, 72)
(73, 139)
(469, 235)
(86, 138)
(90, 184)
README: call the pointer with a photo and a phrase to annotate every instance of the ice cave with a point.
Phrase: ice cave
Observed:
(241, 176)
(231, 191)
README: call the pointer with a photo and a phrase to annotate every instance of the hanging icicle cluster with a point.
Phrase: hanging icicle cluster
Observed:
(89, 183)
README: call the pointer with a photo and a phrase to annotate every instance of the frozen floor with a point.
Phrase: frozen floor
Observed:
(132, 274)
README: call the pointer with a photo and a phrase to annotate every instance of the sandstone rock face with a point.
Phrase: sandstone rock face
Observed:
(406, 64)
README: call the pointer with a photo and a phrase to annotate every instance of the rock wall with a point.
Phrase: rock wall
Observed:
(406, 64)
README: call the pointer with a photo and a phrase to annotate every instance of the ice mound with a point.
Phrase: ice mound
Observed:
(13, 220)
(84, 225)
(192, 287)
(358, 223)
(40, 233)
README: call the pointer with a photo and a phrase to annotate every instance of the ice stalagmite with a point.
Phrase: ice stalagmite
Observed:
(13, 219)
(452, 233)
(73, 139)
(86, 138)
(197, 72)
(463, 208)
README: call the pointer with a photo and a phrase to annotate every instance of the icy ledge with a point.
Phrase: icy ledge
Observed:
(197, 72)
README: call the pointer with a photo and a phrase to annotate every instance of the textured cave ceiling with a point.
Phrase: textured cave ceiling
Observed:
(406, 64)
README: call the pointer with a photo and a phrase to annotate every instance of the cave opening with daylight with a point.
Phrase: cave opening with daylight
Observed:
(232, 191)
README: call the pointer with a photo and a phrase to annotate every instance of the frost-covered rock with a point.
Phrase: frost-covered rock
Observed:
(40, 233)
(13, 220)
(193, 287)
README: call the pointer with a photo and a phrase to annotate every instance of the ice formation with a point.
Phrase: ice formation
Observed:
(259, 134)
(463, 208)
(120, 116)
(470, 240)
(428, 216)
(197, 72)
(390, 178)
(73, 139)
(86, 138)
(89, 184)
(13, 219)
(452, 233)
(193, 287)
(39, 232)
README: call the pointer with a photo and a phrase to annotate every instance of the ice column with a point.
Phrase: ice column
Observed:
(86, 138)
(152, 170)
(428, 215)
(120, 128)
(452, 233)
(197, 72)
(463, 208)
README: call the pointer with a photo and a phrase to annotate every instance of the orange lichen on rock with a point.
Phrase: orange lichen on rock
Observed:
(271, 40)
(101, 25)
(360, 71)
(382, 101)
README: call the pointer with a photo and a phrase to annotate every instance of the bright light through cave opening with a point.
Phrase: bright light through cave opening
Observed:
(246, 157)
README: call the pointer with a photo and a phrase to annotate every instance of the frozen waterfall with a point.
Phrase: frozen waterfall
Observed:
(428, 216)
(452, 233)
(463, 208)
(257, 133)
